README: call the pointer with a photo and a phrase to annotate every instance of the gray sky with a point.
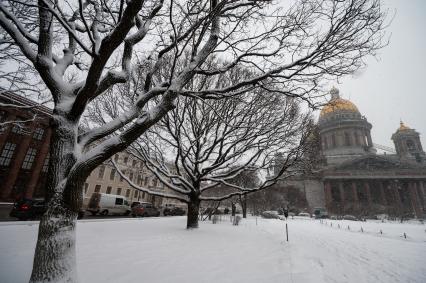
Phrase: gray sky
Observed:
(392, 87)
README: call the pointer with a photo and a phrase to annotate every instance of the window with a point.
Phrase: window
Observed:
(109, 189)
(18, 128)
(119, 201)
(356, 138)
(127, 193)
(101, 172)
(38, 134)
(86, 188)
(136, 194)
(2, 119)
(325, 143)
(410, 145)
(131, 176)
(7, 153)
(121, 177)
(333, 140)
(347, 139)
(139, 180)
(97, 188)
(29, 158)
(116, 157)
(125, 160)
(154, 182)
(134, 163)
(45, 165)
(143, 194)
(118, 191)
(146, 181)
(112, 174)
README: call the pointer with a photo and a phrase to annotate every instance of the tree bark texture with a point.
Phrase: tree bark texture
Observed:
(193, 211)
(244, 205)
(55, 255)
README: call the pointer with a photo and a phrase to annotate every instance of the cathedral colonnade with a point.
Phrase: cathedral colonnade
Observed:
(364, 197)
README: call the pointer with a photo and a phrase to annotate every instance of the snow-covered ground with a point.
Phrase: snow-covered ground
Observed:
(162, 250)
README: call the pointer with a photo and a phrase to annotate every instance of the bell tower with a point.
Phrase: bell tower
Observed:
(408, 145)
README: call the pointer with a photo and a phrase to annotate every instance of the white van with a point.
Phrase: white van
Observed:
(106, 204)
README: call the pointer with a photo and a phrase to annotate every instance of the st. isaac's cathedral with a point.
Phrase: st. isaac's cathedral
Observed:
(353, 178)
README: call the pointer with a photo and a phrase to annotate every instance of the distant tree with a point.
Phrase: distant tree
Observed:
(247, 179)
(205, 151)
(83, 50)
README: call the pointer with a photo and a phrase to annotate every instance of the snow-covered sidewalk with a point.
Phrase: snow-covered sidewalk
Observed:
(162, 250)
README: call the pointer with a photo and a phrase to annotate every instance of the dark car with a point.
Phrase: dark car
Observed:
(145, 209)
(173, 211)
(31, 209)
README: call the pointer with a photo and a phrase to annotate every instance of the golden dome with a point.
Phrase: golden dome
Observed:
(338, 104)
(403, 127)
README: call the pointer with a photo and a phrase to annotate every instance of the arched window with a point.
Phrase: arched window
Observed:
(410, 145)
(333, 140)
(324, 143)
(347, 139)
(356, 139)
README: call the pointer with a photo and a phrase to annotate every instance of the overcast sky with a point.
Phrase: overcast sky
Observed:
(392, 87)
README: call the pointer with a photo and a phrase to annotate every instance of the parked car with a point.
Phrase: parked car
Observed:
(173, 210)
(350, 217)
(145, 209)
(32, 209)
(106, 204)
(135, 203)
(270, 214)
(304, 214)
(320, 213)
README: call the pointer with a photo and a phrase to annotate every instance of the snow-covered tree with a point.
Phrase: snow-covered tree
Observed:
(200, 149)
(82, 49)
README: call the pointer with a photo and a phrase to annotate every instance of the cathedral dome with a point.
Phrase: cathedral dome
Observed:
(337, 104)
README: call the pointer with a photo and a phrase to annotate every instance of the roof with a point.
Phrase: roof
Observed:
(19, 100)
(338, 104)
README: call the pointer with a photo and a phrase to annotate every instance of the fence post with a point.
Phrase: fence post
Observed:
(286, 230)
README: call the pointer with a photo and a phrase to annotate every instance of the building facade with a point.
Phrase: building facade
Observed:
(24, 147)
(24, 158)
(353, 178)
(106, 179)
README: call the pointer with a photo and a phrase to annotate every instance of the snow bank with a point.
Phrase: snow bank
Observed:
(162, 250)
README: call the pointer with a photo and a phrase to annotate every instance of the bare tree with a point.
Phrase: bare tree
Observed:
(202, 146)
(294, 49)
(246, 179)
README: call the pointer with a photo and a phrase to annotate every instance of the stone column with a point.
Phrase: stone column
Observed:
(368, 192)
(414, 198)
(370, 142)
(342, 196)
(355, 192)
(38, 165)
(355, 195)
(328, 197)
(422, 191)
(382, 194)
(16, 164)
(396, 195)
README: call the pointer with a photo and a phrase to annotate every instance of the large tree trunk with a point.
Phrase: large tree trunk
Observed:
(244, 205)
(233, 209)
(55, 256)
(193, 211)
